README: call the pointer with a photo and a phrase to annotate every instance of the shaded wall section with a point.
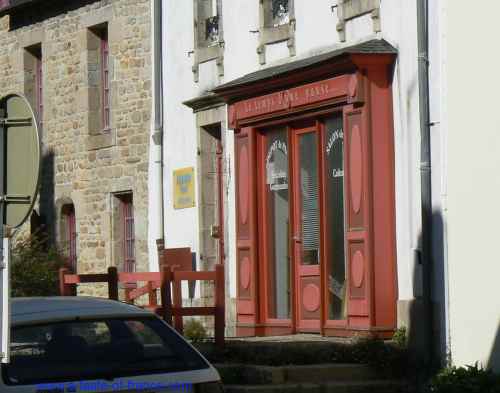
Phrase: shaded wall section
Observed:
(47, 211)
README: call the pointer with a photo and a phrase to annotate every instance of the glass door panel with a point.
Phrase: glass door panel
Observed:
(306, 235)
(277, 226)
(334, 182)
(309, 197)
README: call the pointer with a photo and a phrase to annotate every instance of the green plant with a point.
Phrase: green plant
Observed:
(34, 267)
(194, 330)
(468, 379)
(399, 337)
(388, 359)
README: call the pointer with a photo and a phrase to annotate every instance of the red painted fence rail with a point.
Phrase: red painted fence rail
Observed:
(169, 281)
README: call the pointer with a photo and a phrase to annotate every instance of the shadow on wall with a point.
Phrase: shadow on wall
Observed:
(438, 291)
(43, 10)
(494, 361)
(47, 210)
(429, 355)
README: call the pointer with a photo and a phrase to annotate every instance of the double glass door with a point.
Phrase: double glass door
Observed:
(294, 222)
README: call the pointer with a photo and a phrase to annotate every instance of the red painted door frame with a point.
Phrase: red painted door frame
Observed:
(306, 277)
(365, 98)
(268, 324)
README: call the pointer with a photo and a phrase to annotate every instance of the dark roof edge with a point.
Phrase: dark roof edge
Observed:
(374, 46)
(206, 101)
(14, 5)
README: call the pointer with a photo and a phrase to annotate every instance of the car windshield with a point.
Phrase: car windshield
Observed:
(106, 348)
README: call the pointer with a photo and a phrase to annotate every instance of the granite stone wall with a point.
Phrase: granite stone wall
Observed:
(82, 164)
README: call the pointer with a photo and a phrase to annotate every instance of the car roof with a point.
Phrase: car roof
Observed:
(34, 310)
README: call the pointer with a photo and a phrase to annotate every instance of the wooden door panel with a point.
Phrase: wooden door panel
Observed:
(246, 242)
(358, 220)
(306, 233)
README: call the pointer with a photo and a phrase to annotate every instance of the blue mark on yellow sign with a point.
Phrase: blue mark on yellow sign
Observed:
(184, 188)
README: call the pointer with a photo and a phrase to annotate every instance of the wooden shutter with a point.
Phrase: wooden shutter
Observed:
(358, 213)
(246, 219)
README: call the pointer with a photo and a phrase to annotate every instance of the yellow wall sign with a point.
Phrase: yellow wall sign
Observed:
(184, 188)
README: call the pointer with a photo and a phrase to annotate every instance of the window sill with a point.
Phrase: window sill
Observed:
(207, 53)
(101, 141)
(271, 35)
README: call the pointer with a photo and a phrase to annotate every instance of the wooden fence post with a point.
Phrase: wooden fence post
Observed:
(220, 309)
(160, 247)
(152, 297)
(177, 303)
(112, 283)
(166, 294)
(127, 296)
(64, 289)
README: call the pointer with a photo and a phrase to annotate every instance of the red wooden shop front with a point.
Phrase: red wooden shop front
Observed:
(315, 198)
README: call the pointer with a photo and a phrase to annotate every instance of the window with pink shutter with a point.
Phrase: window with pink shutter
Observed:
(127, 220)
(105, 91)
(33, 81)
(39, 88)
(69, 234)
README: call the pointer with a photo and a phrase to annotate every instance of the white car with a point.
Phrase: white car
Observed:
(84, 344)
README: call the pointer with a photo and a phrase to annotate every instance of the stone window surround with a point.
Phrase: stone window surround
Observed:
(270, 35)
(27, 40)
(213, 115)
(116, 225)
(97, 138)
(60, 228)
(350, 9)
(202, 54)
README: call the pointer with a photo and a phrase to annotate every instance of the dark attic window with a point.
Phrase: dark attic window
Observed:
(212, 30)
(280, 12)
(208, 23)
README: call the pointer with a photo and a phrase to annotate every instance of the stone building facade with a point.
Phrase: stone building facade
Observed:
(251, 79)
(85, 66)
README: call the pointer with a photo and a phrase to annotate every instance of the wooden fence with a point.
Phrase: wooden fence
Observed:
(169, 281)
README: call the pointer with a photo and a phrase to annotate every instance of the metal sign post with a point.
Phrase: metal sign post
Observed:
(4, 250)
(5, 282)
(19, 176)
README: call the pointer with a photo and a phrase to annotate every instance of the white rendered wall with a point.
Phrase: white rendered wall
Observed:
(439, 181)
(473, 137)
(399, 27)
(153, 178)
(180, 138)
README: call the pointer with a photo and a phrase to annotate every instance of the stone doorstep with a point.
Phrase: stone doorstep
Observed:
(260, 375)
(390, 386)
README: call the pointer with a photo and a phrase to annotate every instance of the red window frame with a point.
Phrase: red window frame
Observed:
(105, 90)
(70, 221)
(39, 88)
(128, 232)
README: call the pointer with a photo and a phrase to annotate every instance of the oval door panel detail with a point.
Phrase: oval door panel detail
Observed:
(243, 188)
(357, 269)
(356, 169)
(311, 297)
(245, 273)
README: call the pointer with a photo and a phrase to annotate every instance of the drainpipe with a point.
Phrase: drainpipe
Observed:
(158, 110)
(427, 350)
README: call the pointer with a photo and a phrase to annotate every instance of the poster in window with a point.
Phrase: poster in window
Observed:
(184, 188)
